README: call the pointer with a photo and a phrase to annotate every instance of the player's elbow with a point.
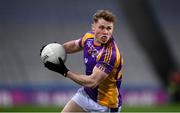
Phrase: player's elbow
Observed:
(93, 85)
(92, 82)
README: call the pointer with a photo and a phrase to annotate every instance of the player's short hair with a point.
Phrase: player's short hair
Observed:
(104, 14)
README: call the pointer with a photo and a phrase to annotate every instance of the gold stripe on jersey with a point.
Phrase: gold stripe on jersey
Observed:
(108, 54)
(108, 92)
(119, 74)
(117, 63)
(107, 58)
(85, 37)
(100, 54)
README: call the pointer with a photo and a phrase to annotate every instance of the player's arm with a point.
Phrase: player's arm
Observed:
(72, 46)
(88, 81)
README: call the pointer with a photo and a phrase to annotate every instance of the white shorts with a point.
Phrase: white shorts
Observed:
(87, 104)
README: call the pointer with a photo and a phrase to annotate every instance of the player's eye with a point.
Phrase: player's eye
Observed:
(101, 27)
(108, 28)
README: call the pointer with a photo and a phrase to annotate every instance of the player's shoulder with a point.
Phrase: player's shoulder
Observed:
(88, 34)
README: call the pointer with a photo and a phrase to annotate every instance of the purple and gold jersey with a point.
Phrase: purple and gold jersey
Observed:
(108, 59)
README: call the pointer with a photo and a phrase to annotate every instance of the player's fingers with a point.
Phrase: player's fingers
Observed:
(48, 64)
(60, 60)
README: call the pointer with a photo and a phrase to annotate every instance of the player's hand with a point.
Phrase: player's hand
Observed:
(59, 68)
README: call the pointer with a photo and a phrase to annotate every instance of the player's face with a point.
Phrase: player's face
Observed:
(102, 30)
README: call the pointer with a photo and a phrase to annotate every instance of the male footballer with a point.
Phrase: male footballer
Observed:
(100, 91)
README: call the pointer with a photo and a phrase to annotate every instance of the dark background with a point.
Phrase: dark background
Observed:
(147, 33)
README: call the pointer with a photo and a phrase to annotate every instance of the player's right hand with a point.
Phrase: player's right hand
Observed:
(59, 68)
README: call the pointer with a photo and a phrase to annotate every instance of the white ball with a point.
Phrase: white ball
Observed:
(52, 51)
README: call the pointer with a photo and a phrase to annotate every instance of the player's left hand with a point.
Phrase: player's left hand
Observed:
(59, 68)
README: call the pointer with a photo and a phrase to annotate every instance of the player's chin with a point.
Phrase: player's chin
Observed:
(103, 42)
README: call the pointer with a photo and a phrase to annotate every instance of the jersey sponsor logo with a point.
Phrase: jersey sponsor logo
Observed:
(93, 51)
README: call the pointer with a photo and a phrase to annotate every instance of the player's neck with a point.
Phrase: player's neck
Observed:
(96, 42)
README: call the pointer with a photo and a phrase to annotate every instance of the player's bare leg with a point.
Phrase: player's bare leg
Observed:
(71, 106)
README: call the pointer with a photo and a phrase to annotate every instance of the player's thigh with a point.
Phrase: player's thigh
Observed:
(71, 106)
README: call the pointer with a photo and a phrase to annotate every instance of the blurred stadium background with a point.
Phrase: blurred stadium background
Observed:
(147, 32)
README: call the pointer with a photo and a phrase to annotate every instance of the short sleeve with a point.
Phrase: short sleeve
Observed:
(105, 67)
(86, 36)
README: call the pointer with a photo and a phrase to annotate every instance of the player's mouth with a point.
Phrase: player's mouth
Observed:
(104, 38)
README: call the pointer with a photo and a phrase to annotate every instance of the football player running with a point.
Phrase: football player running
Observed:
(100, 91)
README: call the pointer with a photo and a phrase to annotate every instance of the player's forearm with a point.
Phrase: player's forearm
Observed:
(71, 47)
(83, 80)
